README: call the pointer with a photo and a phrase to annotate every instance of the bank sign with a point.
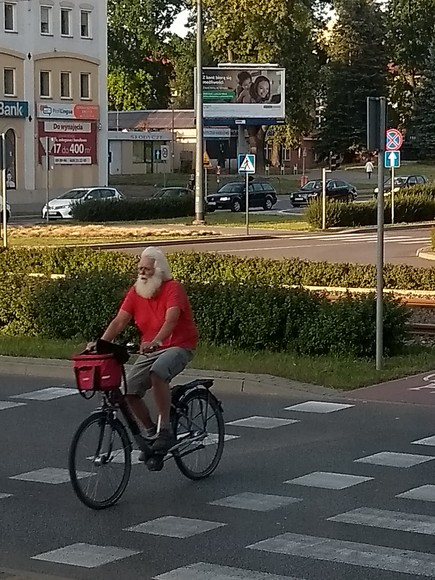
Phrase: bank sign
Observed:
(17, 109)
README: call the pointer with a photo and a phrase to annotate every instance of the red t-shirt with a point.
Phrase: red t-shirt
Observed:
(149, 314)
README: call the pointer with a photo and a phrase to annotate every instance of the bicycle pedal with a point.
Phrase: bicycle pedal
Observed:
(155, 463)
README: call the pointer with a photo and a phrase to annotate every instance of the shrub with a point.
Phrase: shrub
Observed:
(243, 316)
(132, 210)
(408, 207)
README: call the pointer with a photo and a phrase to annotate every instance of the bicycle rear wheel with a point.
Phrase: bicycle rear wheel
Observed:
(100, 461)
(199, 427)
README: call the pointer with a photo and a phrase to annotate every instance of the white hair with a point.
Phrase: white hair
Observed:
(160, 261)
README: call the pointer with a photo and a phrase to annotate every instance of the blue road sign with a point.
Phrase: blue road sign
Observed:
(392, 159)
(246, 163)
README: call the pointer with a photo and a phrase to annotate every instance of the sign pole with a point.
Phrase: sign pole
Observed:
(199, 115)
(380, 240)
(392, 194)
(247, 203)
(47, 176)
(3, 188)
(205, 182)
(324, 199)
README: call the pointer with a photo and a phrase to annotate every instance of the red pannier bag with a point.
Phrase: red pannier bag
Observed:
(97, 372)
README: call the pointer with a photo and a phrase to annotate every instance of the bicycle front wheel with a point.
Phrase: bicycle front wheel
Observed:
(100, 461)
(199, 427)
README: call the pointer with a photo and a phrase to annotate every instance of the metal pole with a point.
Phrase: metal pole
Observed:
(173, 137)
(324, 199)
(247, 203)
(47, 176)
(199, 173)
(380, 242)
(3, 188)
(392, 194)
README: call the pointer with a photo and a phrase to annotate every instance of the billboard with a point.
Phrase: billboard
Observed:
(244, 94)
(67, 111)
(74, 143)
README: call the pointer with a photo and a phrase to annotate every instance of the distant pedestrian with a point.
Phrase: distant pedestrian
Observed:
(369, 169)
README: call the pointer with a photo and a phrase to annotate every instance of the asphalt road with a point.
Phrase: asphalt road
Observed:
(254, 519)
(355, 246)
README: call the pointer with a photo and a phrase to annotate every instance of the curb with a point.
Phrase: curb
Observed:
(425, 254)
(397, 227)
(235, 382)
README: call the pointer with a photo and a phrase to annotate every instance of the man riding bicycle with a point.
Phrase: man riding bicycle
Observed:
(160, 308)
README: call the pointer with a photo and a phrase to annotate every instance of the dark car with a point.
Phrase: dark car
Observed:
(336, 189)
(173, 193)
(402, 181)
(233, 196)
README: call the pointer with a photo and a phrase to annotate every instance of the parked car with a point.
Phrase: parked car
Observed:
(173, 193)
(61, 206)
(336, 189)
(8, 211)
(233, 196)
(402, 181)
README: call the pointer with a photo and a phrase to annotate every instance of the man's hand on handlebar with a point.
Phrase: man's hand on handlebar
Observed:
(147, 347)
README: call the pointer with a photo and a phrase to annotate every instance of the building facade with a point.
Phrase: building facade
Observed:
(53, 69)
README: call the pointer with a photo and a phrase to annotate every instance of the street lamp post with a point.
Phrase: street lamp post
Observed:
(199, 173)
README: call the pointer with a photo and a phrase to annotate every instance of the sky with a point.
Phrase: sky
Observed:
(179, 24)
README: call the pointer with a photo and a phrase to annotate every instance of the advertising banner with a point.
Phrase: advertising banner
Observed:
(67, 111)
(237, 94)
(72, 144)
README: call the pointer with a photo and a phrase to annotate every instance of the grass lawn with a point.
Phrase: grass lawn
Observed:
(342, 373)
(256, 220)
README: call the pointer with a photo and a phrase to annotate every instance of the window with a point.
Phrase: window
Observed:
(65, 85)
(138, 152)
(10, 17)
(45, 84)
(85, 86)
(85, 24)
(65, 22)
(9, 82)
(46, 20)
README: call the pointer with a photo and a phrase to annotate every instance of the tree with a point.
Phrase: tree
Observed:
(424, 121)
(411, 28)
(356, 69)
(139, 68)
(269, 31)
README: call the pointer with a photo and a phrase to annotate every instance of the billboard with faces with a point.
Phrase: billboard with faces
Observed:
(251, 94)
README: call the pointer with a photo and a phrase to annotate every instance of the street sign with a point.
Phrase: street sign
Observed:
(391, 159)
(246, 163)
(206, 161)
(394, 140)
(164, 152)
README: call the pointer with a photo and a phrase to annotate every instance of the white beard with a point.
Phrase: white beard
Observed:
(148, 288)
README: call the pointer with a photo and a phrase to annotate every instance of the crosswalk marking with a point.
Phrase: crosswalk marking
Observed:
(10, 405)
(255, 501)
(327, 480)
(419, 524)
(390, 459)
(423, 493)
(354, 553)
(175, 527)
(85, 555)
(47, 394)
(52, 475)
(318, 407)
(203, 571)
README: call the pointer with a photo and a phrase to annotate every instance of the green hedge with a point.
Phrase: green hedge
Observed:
(408, 207)
(128, 210)
(216, 268)
(245, 317)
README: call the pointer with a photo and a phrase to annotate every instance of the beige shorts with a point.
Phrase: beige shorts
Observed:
(166, 363)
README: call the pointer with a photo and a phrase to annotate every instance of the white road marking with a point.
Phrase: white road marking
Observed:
(354, 553)
(390, 459)
(422, 493)
(388, 520)
(85, 555)
(327, 480)
(255, 501)
(175, 527)
(46, 394)
(10, 405)
(202, 571)
(318, 407)
(52, 475)
(426, 441)
(262, 422)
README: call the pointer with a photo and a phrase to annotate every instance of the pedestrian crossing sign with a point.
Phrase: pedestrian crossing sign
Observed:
(246, 163)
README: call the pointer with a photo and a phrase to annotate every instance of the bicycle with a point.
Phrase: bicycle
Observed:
(196, 418)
